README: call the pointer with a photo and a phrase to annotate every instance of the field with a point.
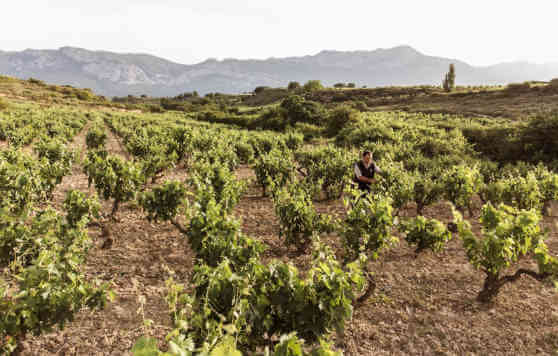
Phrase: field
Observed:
(227, 224)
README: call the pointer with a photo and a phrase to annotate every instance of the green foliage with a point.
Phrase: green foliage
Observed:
(216, 182)
(78, 206)
(293, 140)
(55, 152)
(291, 345)
(214, 236)
(96, 138)
(19, 182)
(297, 109)
(3, 105)
(426, 191)
(312, 85)
(449, 80)
(521, 192)
(298, 218)
(293, 86)
(426, 234)
(275, 167)
(163, 202)
(329, 166)
(367, 226)
(460, 183)
(245, 152)
(340, 117)
(260, 302)
(44, 252)
(113, 178)
(508, 235)
(397, 183)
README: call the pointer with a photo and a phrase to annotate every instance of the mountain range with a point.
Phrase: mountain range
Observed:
(114, 74)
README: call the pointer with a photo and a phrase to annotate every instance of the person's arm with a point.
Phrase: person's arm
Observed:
(366, 180)
(362, 178)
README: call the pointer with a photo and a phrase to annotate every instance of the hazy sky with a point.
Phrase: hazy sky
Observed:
(478, 32)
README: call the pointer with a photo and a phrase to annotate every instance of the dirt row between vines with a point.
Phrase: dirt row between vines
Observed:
(134, 266)
(422, 305)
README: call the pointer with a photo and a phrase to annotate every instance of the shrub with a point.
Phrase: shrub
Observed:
(36, 81)
(260, 89)
(274, 167)
(245, 152)
(294, 140)
(517, 88)
(3, 105)
(95, 138)
(298, 218)
(308, 130)
(83, 95)
(297, 109)
(328, 166)
(313, 85)
(426, 234)
(460, 183)
(508, 235)
(293, 86)
(339, 118)
(367, 227)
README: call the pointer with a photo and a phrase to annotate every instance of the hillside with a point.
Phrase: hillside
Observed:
(193, 213)
(113, 74)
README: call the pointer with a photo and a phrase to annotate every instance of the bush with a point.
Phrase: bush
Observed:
(367, 227)
(328, 166)
(293, 86)
(508, 236)
(95, 138)
(298, 218)
(339, 118)
(308, 130)
(313, 85)
(517, 88)
(3, 105)
(83, 95)
(245, 152)
(275, 167)
(426, 234)
(260, 89)
(297, 109)
(36, 81)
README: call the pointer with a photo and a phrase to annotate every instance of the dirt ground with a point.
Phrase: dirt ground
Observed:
(423, 305)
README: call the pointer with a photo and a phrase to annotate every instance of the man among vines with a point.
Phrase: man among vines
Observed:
(364, 172)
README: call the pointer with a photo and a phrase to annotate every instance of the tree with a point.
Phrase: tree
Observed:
(293, 86)
(260, 89)
(313, 85)
(449, 79)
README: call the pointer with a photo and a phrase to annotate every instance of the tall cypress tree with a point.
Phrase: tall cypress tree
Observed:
(449, 79)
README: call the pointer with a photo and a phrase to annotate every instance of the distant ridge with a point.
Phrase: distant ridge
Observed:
(114, 74)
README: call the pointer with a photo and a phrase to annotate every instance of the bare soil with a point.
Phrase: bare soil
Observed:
(422, 305)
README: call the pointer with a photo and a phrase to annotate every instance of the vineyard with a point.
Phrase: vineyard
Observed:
(234, 231)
